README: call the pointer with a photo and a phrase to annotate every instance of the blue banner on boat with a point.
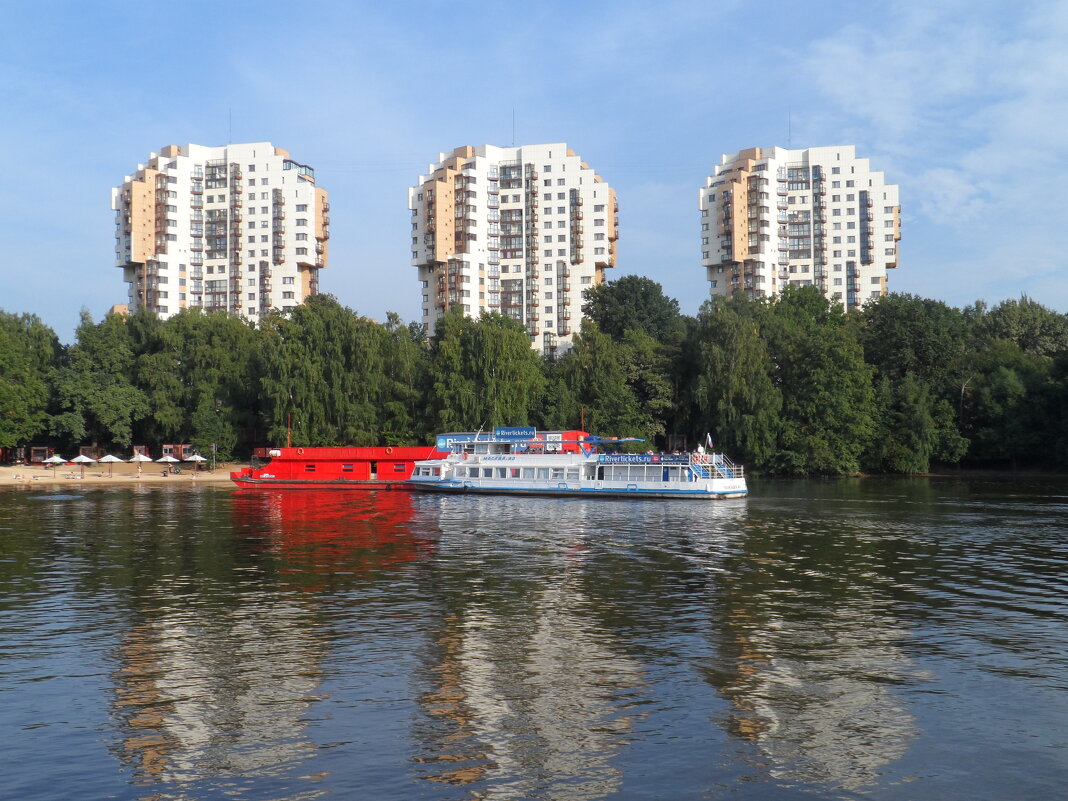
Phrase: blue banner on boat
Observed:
(642, 458)
(516, 433)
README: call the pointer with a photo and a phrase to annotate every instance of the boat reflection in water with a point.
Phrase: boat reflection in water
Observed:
(218, 672)
(325, 539)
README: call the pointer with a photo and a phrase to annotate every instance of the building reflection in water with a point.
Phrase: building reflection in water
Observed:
(217, 676)
(809, 660)
(531, 698)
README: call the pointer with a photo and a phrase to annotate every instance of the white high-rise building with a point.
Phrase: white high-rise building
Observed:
(516, 230)
(813, 217)
(241, 228)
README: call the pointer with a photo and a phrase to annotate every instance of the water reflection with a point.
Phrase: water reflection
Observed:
(327, 540)
(216, 680)
(809, 651)
(530, 697)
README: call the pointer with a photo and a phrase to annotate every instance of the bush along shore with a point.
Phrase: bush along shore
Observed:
(789, 386)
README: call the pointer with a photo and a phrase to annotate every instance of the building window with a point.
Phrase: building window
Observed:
(301, 222)
(287, 295)
(302, 207)
(287, 280)
(302, 251)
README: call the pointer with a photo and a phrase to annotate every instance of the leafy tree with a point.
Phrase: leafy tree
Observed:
(825, 384)
(734, 395)
(632, 302)
(322, 367)
(595, 373)
(1033, 328)
(405, 366)
(28, 353)
(95, 391)
(483, 373)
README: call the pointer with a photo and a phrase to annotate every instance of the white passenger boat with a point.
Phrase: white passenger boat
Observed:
(523, 461)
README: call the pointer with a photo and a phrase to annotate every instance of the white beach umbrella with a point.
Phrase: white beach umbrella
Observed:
(168, 460)
(196, 459)
(54, 460)
(140, 457)
(83, 460)
(110, 461)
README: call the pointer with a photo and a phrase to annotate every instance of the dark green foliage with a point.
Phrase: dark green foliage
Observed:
(789, 385)
(29, 352)
(632, 302)
(483, 373)
(95, 391)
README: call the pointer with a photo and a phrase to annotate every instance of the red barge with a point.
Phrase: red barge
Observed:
(336, 468)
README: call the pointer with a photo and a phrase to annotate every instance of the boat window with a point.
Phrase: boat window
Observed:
(309, 468)
(558, 473)
(502, 472)
(572, 474)
(487, 472)
(481, 447)
(398, 468)
(435, 471)
(461, 472)
(528, 472)
(346, 468)
(543, 472)
(515, 472)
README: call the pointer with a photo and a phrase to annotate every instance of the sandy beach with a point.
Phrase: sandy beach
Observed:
(125, 473)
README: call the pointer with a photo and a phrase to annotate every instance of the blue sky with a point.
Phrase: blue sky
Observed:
(963, 104)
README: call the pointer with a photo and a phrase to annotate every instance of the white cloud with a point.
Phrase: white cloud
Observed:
(964, 105)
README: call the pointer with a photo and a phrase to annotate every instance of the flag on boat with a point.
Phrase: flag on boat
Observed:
(708, 440)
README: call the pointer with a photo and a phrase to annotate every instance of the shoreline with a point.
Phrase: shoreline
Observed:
(122, 474)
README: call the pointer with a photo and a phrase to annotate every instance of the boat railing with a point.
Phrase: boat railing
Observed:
(715, 465)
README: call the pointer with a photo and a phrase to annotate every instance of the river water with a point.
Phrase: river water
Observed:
(876, 639)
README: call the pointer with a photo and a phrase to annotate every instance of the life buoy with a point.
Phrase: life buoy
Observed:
(389, 451)
(300, 451)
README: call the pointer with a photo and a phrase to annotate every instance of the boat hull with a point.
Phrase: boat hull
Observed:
(580, 489)
(332, 484)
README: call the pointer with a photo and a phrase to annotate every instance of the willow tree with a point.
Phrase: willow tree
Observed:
(595, 372)
(482, 373)
(322, 370)
(734, 394)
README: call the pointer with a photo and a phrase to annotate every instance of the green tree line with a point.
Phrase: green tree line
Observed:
(790, 386)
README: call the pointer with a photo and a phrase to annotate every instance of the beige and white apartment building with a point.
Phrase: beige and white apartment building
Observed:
(241, 228)
(517, 230)
(819, 216)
